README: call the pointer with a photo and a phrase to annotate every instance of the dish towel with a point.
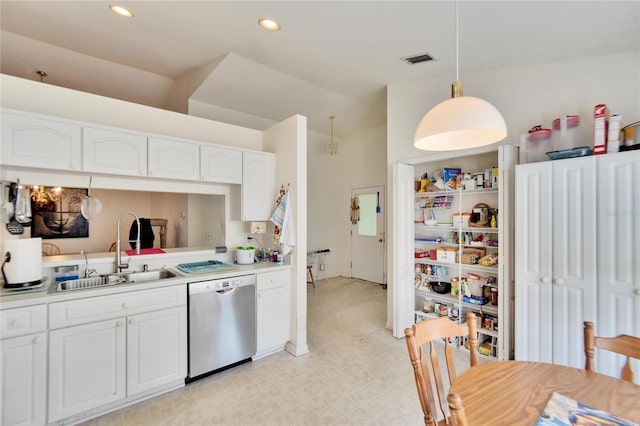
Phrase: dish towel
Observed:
(282, 218)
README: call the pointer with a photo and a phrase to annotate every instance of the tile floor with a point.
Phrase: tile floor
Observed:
(356, 373)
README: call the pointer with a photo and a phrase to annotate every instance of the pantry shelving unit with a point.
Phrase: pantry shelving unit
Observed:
(454, 245)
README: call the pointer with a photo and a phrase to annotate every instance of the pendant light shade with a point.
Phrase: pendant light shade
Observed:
(461, 122)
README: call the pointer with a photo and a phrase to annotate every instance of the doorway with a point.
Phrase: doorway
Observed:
(368, 235)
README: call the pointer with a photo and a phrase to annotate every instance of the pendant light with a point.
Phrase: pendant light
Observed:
(332, 146)
(461, 122)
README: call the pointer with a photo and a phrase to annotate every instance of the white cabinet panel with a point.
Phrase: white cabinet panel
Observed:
(24, 380)
(173, 159)
(258, 186)
(87, 366)
(33, 141)
(556, 246)
(156, 349)
(220, 164)
(21, 321)
(273, 311)
(119, 153)
(618, 260)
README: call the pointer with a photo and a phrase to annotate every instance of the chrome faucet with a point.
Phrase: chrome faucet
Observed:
(119, 265)
(87, 272)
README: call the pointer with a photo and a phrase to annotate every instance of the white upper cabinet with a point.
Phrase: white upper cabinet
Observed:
(33, 141)
(258, 185)
(173, 159)
(113, 152)
(220, 164)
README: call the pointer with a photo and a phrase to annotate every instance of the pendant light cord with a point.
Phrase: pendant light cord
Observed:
(457, 47)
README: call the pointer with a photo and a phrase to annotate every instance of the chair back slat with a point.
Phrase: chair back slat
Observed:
(431, 386)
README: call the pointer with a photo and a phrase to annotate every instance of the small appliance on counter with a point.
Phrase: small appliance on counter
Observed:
(245, 255)
(22, 263)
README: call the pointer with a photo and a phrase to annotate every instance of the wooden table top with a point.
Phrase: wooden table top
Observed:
(516, 392)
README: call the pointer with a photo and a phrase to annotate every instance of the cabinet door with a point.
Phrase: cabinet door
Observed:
(273, 309)
(24, 380)
(574, 248)
(220, 164)
(173, 159)
(533, 321)
(86, 367)
(107, 151)
(618, 266)
(258, 186)
(156, 349)
(33, 141)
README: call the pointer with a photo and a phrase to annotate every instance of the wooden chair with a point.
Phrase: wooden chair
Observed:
(50, 249)
(420, 342)
(112, 247)
(312, 282)
(626, 345)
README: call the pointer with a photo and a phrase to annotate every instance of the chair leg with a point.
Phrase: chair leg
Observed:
(312, 282)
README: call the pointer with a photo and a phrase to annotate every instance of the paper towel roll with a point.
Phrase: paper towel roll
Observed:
(24, 267)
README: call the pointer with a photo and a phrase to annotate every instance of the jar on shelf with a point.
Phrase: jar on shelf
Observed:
(428, 305)
(538, 144)
(565, 133)
(494, 296)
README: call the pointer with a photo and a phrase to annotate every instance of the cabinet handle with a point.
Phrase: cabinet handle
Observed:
(16, 323)
(142, 172)
(544, 280)
(151, 173)
(125, 305)
(558, 281)
(119, 324)
(132, 321)
(37, 340)
(636, 291)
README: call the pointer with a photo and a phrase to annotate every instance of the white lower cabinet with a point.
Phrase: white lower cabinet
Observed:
(130, 344)
(24, 380)
(86, 367)
(273, 311)
(156, 349)
(23, 365)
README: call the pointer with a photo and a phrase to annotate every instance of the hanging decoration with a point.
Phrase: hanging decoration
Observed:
(355, 211)
(282, 218)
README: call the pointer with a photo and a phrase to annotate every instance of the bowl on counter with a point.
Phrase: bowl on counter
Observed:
(440, 287)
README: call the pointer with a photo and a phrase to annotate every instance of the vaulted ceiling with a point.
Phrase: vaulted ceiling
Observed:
(329, 57)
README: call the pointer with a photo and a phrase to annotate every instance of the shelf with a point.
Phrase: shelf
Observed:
(456, 192)
(447, 298)
(491, 333)
(478, 230)
(463, 266)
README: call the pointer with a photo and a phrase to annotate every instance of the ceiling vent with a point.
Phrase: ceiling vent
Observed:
(417, 59)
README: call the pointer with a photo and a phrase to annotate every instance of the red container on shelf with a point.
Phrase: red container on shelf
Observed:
(538, 144)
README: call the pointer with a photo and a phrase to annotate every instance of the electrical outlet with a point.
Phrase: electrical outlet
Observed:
(322, 266)
(208, 236)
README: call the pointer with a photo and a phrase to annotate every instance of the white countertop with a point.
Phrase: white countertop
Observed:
(48, 294)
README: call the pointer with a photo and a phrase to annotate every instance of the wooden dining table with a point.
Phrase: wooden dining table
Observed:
(516, 392)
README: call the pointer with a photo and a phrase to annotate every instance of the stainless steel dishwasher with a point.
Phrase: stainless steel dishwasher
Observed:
(222, 323)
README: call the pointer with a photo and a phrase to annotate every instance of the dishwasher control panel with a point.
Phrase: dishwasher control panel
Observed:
(221, 284)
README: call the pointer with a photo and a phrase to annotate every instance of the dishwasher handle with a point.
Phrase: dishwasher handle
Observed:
(226, 291)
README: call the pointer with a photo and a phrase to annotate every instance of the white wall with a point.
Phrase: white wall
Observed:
(525, 96)
(360, 162)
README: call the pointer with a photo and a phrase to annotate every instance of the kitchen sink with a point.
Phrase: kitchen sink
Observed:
(113, 279)
(159, 274)
(92, 282)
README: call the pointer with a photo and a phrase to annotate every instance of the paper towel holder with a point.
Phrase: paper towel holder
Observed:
(29, 284)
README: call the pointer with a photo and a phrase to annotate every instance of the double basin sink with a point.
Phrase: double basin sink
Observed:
(113, 279)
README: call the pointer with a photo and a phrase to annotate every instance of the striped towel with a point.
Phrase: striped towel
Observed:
(282, 218)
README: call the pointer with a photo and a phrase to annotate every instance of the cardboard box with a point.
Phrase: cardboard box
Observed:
(469, 259)
(480, 252)
(600, 118)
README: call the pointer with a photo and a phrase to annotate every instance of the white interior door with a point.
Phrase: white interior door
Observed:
(367, 235)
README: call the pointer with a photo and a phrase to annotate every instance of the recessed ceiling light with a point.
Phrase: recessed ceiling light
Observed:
(269, 24)
(121, 11)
